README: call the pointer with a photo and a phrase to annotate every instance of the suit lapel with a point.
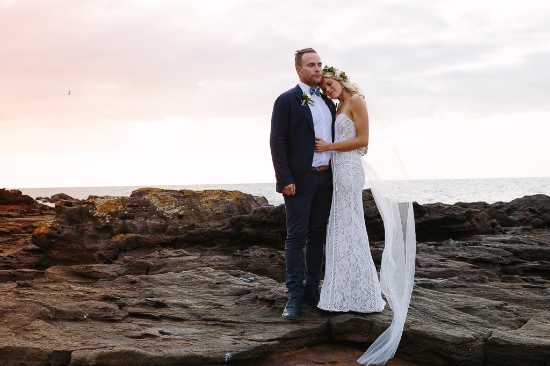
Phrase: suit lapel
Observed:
(332, 109)
(305, 108)
(330, 105)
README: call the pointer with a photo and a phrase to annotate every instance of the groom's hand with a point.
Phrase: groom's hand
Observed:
(289, 190)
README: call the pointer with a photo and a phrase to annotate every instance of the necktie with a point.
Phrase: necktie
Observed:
(315, 91)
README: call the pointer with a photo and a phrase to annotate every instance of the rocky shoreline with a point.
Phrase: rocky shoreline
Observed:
(196, 278)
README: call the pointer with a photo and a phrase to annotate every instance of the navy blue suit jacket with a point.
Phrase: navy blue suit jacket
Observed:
(292, 138)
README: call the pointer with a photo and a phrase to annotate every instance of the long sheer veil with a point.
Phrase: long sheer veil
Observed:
(391, 188)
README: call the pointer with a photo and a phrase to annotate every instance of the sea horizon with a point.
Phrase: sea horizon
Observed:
(449, 191)
(245, 183)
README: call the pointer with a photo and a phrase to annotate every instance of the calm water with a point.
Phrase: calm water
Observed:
(424, 191)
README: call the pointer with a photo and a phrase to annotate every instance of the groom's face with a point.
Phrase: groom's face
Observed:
(310, 72)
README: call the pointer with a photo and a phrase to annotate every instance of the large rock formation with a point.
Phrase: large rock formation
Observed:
(15, 204)
(14, 197)
(99, 228)
(529, 211)
(197, 278)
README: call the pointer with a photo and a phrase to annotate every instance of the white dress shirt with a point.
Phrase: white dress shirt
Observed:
(322, 124)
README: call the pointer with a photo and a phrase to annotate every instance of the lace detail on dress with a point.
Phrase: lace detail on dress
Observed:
(351, 282)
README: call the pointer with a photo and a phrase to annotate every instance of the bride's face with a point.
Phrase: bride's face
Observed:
(332, 88)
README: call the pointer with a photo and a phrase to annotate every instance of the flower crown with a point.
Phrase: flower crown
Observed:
(336, 72)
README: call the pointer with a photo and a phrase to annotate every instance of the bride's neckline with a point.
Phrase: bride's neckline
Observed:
(343, 114)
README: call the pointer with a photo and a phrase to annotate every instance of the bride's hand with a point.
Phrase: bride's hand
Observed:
(321, 145)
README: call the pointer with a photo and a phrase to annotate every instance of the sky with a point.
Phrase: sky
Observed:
(143, 92)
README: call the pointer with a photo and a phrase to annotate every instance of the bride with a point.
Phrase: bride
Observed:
(351, 282)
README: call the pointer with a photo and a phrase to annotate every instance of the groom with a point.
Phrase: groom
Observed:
(304, 177)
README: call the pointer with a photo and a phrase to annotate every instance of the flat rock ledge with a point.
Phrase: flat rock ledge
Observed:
(196, 278)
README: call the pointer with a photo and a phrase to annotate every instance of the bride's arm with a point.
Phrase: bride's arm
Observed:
(360, 117)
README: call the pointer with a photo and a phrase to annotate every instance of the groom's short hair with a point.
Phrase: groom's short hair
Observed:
(298, 55)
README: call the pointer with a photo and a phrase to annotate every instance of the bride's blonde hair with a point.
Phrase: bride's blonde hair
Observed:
(342, 78)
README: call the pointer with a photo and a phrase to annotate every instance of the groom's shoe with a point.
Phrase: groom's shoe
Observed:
(292, 308)
(312, 297)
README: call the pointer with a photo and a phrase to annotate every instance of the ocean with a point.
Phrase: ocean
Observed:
(423, 191)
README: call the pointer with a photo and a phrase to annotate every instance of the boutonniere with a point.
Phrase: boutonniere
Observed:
(307, 99)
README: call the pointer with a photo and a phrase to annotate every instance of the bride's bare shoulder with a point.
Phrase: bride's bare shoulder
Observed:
(358, 107)
(357, 100)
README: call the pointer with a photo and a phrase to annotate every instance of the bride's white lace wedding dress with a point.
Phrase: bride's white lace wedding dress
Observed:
(351, 282)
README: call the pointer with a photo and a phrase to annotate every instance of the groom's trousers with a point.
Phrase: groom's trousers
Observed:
(306, 221)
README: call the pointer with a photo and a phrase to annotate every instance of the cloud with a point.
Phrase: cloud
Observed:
(162, 64)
